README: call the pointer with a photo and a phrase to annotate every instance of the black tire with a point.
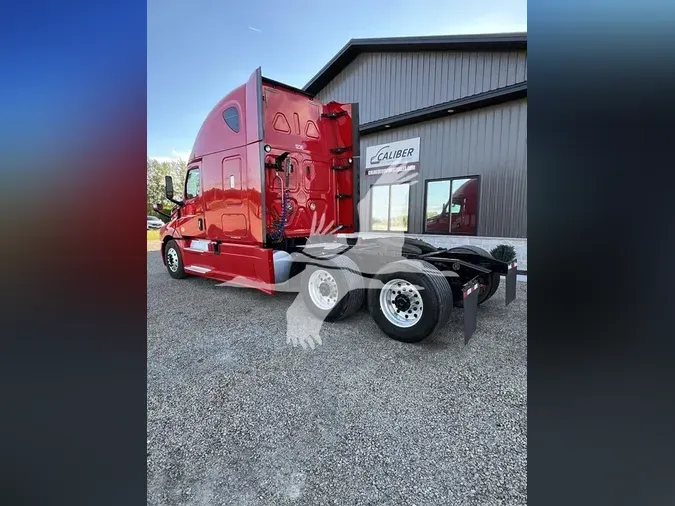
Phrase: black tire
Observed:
(407, 246)
(472, 249)
(350, 288)
(496, 278)
(398, 246)
(424, 246)
(179, 272)
(491, 280)
(435, 293)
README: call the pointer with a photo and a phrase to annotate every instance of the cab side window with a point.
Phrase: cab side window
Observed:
(192, 184)
(231, 117)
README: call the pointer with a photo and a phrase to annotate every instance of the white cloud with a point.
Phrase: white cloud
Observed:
(255, 29)
(175, 155)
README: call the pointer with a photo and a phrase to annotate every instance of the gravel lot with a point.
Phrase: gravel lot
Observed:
(238, 416)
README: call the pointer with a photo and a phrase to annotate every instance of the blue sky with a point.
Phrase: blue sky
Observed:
(199, 50)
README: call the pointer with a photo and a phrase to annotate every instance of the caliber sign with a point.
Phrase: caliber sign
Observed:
(399, 156)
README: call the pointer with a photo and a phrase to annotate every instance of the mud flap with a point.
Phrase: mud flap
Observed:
(470, 295)
(511, 282)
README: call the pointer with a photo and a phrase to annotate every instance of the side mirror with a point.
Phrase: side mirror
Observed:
(159, 209)
(168, 189)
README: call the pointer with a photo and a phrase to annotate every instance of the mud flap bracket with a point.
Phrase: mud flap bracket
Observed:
(511, 274)
(470, 295)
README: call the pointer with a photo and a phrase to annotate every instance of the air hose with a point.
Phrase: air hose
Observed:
(278, 228)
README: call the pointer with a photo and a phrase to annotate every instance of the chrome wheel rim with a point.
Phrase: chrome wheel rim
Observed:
(323, 289)
(401, 303)
(172, 259)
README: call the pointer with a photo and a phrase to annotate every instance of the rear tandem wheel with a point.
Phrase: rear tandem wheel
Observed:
(409, 300)
(488, 286)
(489, 283)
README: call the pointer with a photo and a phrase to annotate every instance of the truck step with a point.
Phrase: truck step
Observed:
(341, 196)
(341, 167)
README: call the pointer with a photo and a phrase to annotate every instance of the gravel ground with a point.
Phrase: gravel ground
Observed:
(238, 416)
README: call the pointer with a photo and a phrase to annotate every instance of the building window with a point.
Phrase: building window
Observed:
(231, 117)
(192, 184)
(389, 207)
(451, 206)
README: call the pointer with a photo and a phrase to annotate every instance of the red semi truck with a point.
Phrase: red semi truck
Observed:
(268, 164)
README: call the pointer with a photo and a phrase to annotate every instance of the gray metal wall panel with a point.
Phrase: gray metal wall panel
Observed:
(386, 84)
(490, 142)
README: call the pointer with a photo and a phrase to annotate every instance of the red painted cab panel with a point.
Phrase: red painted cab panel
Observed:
(321, 151)
(231, 201)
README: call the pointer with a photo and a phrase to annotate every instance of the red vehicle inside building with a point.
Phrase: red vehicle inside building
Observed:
(459, 214)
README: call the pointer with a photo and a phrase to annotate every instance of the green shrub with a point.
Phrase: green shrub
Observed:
(504, 252)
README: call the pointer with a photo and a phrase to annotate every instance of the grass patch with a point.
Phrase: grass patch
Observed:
(153, 235)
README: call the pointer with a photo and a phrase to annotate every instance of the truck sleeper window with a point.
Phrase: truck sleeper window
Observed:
(192, 184)
(231, 117)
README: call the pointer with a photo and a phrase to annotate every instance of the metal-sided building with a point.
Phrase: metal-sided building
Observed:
(448, 113)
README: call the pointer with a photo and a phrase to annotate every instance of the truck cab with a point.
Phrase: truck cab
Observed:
(269, 160)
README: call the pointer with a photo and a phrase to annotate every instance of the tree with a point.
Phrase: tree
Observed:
(157, 170)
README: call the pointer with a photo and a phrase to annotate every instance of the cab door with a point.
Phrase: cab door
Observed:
(192, 221)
